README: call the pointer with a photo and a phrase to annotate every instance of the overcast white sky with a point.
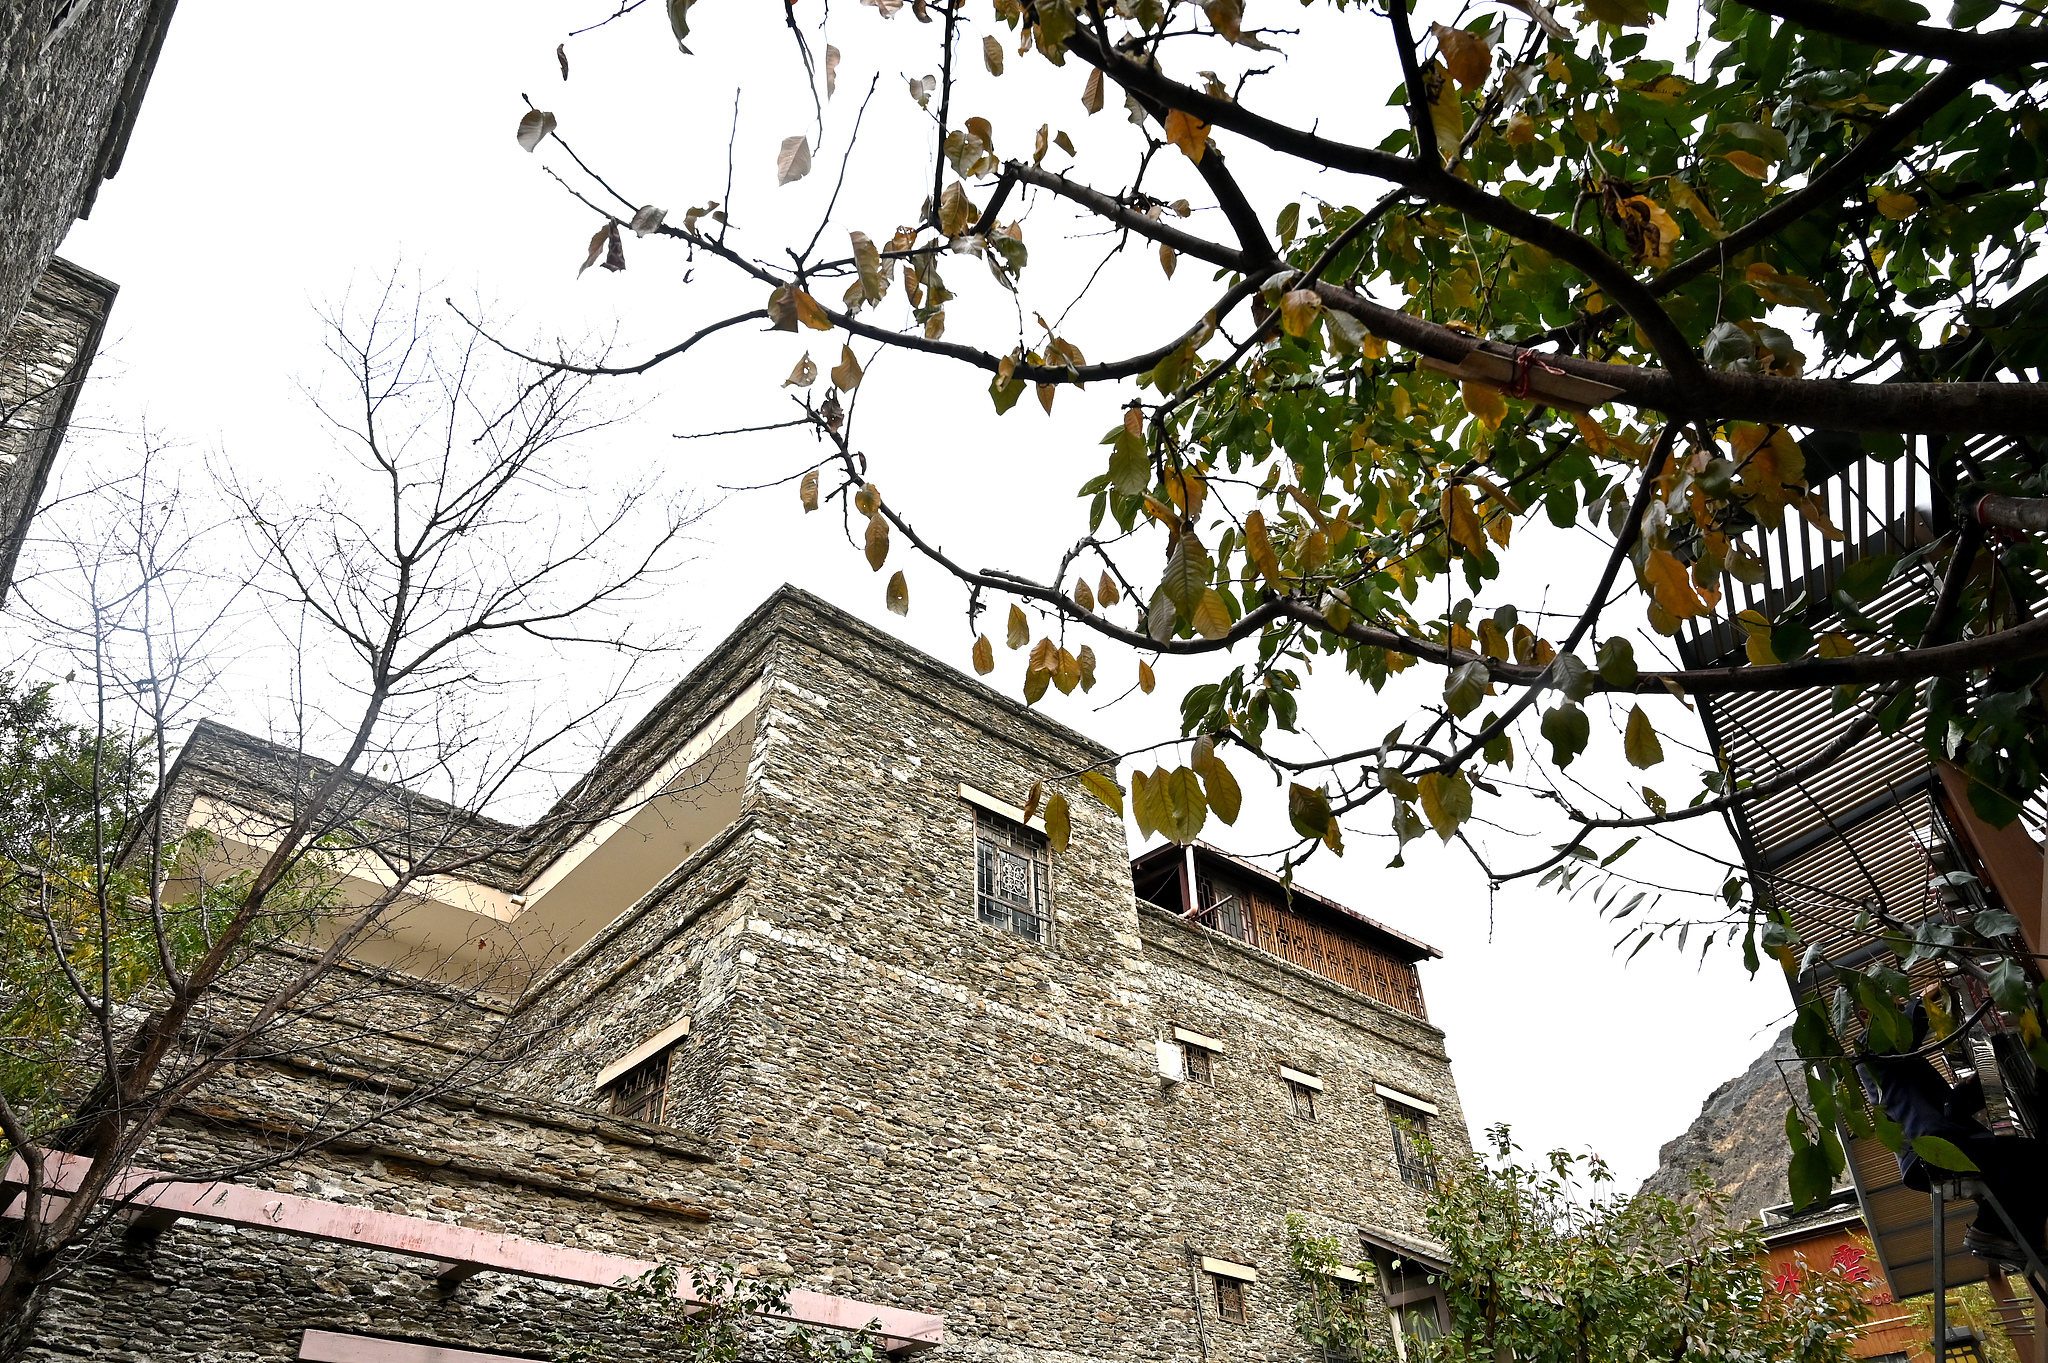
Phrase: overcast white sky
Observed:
(287, 152)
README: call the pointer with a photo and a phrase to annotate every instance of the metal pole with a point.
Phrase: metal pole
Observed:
(1940, 1208)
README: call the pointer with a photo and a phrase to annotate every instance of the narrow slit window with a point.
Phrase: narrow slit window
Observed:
(641, 1093)
(1304, 1099)
(1411, 1155)
(1231, 1303)
(1012, 878)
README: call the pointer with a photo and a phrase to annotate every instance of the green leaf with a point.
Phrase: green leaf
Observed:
(1465, 687)
(1616, 660)
(1187, 575)
(1566, 729)
(1809, 1177)
(1308, 810)
(1446, 801)
(1130, 464)
(2009, 987)
(1639, 741)
(1943, 1155)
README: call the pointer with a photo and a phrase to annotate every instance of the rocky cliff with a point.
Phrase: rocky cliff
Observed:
(1738, 1138)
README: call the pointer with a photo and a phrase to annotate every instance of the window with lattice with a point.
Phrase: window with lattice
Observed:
(1304, 1099)
(1012, 877)
(1411, 1155)
(1200, 1063)
(1232, 1300)
(641, 1093)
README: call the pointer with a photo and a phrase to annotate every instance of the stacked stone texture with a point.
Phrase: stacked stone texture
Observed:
(879, 1097)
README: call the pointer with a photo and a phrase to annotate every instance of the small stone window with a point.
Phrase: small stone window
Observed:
(1012, 877)
(1411, 1128)
(1232, 1302)
(1304, 1092)
(1200, 1061)
(641, 1093)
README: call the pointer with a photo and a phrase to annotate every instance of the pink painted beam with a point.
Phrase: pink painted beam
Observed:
(467, 1251)
(324, 1346)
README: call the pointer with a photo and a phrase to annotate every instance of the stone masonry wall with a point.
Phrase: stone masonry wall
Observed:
(64, 68)
(887, 1099)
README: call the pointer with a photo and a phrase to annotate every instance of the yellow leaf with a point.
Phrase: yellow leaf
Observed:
(899, 594)
(808, 490)
(1046, 393)
(1168, 258)
(1106, 594)
(1835, 644)
(1468, 56)
(1499, 526)
(1146, 681)
(1084, 595)
(1684, 196)
(1445, 113)
(1671, 585)
(1066, 672)
(1484, 402)
(877, 541)
(868, 499)
(1897, 206)
(1091, 93)
(984, 656)
(846, 374)
(804, 375)
(992, 54)
(1031, 799)
(1044, 654)
(956, 211)
(1086, 660)
(1058, 822)
(809, 312)
(1225, 798)
(1521, 129)
(1592, 432)
(1020, 628)
(1188, 133)
(1298, 309)
(1748, 163)
(1212, 618)
(1259, 547)
(1460, 522)
(1758, 643)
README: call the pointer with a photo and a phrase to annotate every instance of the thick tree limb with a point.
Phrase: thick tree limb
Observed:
(1609, 275)
(1877, 150)
(2002, 49)
(1829, 404)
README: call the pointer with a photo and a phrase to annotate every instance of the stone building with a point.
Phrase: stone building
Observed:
(72, 77)
(819, 1002)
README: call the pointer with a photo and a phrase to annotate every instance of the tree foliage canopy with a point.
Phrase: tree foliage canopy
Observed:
(1542, 1264)
(1589, 271)
(1614, 271)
